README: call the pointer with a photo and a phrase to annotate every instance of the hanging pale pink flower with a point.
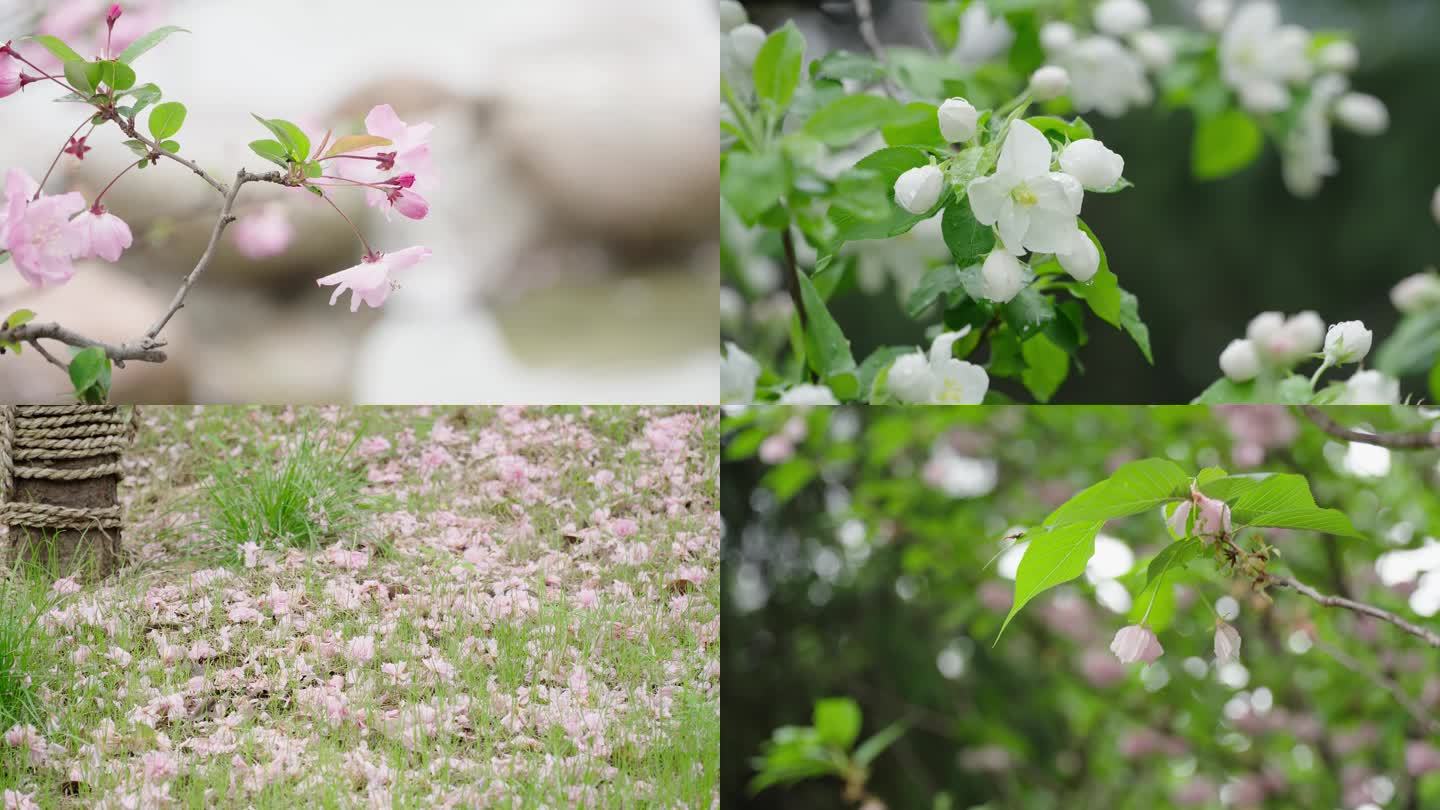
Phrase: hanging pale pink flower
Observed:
(9, 74)
(1179, 519)
(1136, 643)
(1213, 519)
(1227, 642)
(39, 234)
(263, 234)
(409, 154)
(106, 235)
(369, 281)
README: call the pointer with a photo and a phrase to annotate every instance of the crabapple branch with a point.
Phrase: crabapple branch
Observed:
(128, 127)
(1428, 636)
(1398, 441)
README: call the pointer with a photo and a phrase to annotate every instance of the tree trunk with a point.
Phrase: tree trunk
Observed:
(59, 480)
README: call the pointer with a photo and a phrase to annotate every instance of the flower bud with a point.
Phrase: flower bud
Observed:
(1418, 292)
(1362, 113)
(738, 373)
(1306, 331)
(1003, 276)
(1050, 81)
(1341, 56)
(10, 79)
(1091, 162)
(1435, 206)
(1370, 387)
(918, 189)
(958, 120)
(1240, 362)
(732, 16)
(1121, 17)
(1212, 516)
(747, 39)
(1213, 14)
(1154, 49)
(1057, 36)
(1347, 342)
(809, 395)
(113, 14)
(911, 380)
(1227, 642)
(1264, 326)
(1260, 96)
(1081, 259)
(1136, 643)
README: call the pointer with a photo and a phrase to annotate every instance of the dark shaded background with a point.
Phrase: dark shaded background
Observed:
(1206, 257)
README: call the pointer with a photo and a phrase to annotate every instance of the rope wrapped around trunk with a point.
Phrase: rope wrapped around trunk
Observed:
(31, 435)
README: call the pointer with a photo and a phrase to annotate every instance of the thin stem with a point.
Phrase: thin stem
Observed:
(56, 161)
(360, 236)
(865, 13)
(1428, 636)
(1314, 380)
(42, 73)
(116, 179)
(43, 352)
(1399, 441)
(792, 275)
(128, 128)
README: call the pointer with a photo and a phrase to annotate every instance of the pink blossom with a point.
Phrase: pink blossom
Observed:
(1198, 791)
(1421, 758)
(39, 234)
(623, 527)
(396, 673)
(776, 449)
(244, 613)
(9, 74)
(587, 598)
(119, 656)
(374, 446)
(433, 458)
(250, 551)
(106, 235)
(1179, 519)
(1101, 670)
(1213, 519)
(369, 281)
(1227, 642)
(263, 234)
(1136, 643)
(159, 766)
(15, 800)
(409, 204)
(66, 586)
(362, 649)
(409, 153)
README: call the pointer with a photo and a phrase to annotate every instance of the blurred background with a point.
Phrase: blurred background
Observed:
(863, 557)
(573, 219)
(1204, 258)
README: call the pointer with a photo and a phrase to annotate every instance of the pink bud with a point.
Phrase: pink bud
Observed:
(1227, 643)
(1179, 519)
(113, 14)
(1213, 519)
(1136, 643)
(408, 203)
(10, 79)
(105, 234)
(402, 180)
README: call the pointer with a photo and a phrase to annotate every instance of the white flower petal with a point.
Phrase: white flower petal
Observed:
(987, 195)
(1026, 152)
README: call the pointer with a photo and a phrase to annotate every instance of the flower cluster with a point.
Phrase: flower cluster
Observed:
(1108, 68)
(1274, 345)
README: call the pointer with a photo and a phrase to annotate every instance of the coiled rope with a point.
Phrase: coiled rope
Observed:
(31, 435)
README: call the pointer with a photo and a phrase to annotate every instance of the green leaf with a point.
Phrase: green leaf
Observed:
(1412, 347)
(1155, 604)
(1224, 391)
(1054, 556)
(844, 120)
(753, 184)
(917, 124)
(1134, 488)
(777, 66)
(90, 374)
(968, 240)
(826, 347)
(866, 752)
(1028, 313)
(787, 479)
(56, 46)
(837, 721)
(879, 170)
(1285, 501)
(148, 41)
(937, 281)
(313, 170)
(272, 151)
(355, 143)
(167, 119)
(1046, 367)
(1230, 487)
(18, 318)
(172, 147)
(872, 371)
(82, 76)
(138, 147)
(297, 143)
(1102, 292)
(1133, 326)
(1225, 144)
(116, 76)
(1435, 381)
(145, 95)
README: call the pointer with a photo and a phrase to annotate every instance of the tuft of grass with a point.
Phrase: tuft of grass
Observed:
(307, 498)
(22, 602)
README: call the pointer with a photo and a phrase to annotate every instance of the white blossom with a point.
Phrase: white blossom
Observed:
(1049, 82)
(1002, 275)
(1213, 14)
(1240, 362)
(809, 394)
(1091, 162)
(1120, 17)
(918, 189)
(958, 119)
(732, 15)
(1081, 259)
(1307, 152)
(1154, 49)
(1136, 643)
(1105, 76)
(1418, 292)
(938, 378)
(1227, 642)
(982, 36)
(1056, 36)
(1370, 387)
(1259, 57)
(747, 40)
(1362, 113)
(738, 373)
(1034, 208)
(1340, 56)
(1347, 342)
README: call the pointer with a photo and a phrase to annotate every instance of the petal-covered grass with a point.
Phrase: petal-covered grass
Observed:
(522, 610)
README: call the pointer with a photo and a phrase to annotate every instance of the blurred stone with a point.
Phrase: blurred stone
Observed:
(108, 305)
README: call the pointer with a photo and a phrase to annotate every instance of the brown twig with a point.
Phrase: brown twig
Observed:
(792, 276)
(128, 127)
(1428, 636)
(1399, 441)
(865, 13)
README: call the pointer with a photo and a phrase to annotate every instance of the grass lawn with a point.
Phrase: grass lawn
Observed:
(387, 607)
